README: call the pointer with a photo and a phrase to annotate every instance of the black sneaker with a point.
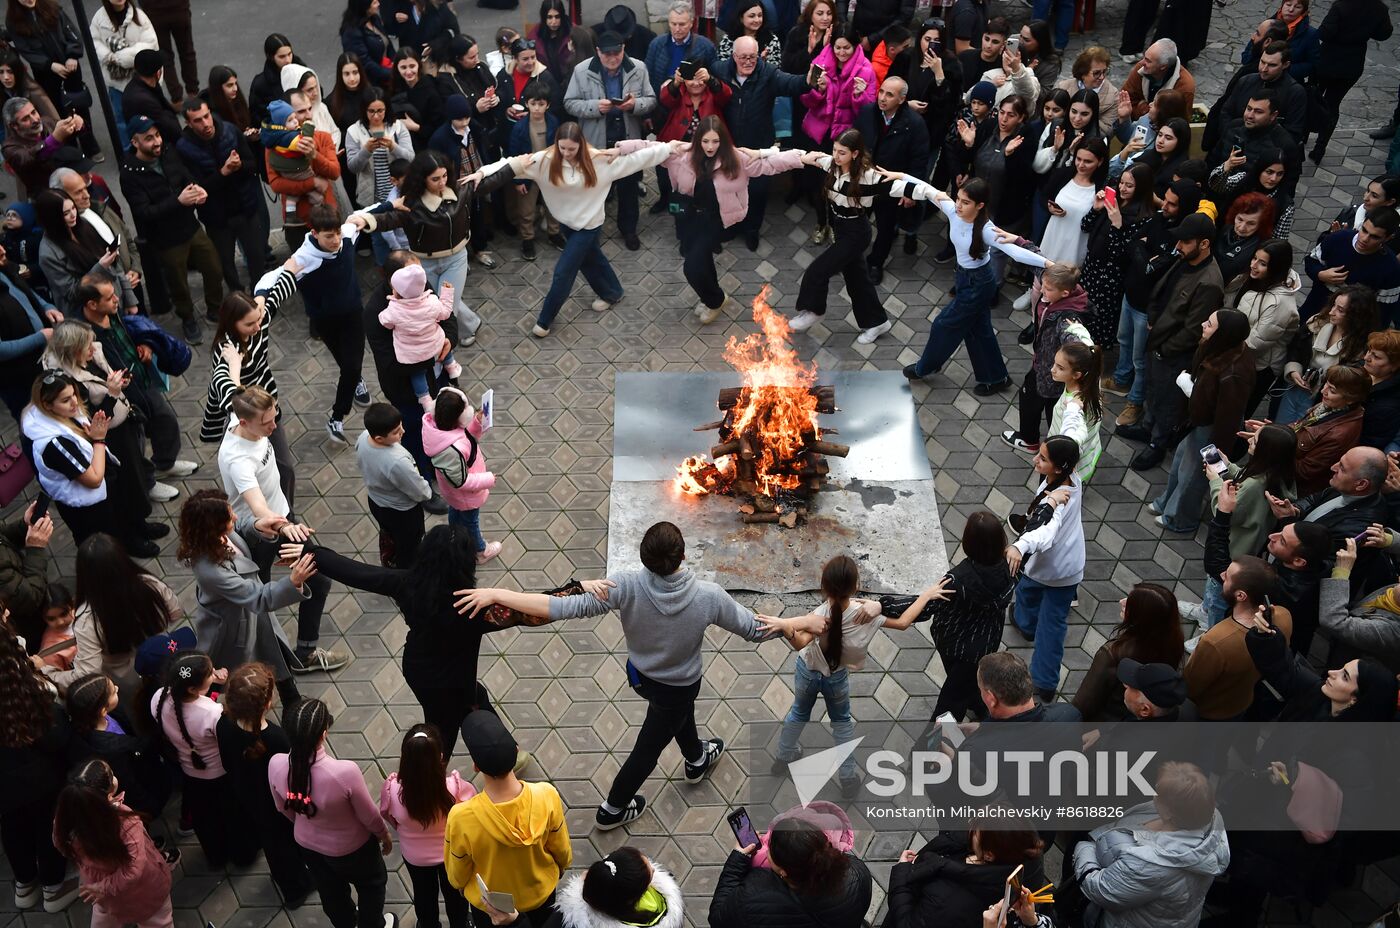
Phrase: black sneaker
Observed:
(527, 249)
(335, 431)
(557, 240)
(713, 748)
(1134, 432)
(435, 505)
(657, 208)
(142, 548)
(751, 241)
(362, 397)
(911, 372)
(946, 255)
(876, 274)
(911, 243)
(1026, 335)
(987, 389)
(632, 242)
(780, 766)
(607, 821)
(850, 787)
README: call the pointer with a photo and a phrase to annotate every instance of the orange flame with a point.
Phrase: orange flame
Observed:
(776, 409)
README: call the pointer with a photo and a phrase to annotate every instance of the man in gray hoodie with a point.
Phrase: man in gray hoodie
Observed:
(665, 612)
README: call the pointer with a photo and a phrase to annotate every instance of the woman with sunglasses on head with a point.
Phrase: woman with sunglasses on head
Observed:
(936, 81)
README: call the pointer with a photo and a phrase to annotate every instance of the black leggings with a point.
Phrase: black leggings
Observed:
(220, 823)
(426, 882)
(1033, 408)
(844, 256)
(26, 834)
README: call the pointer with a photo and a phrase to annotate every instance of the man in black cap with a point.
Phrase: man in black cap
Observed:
(145, 97)
(1152, 692)
(1181, 302)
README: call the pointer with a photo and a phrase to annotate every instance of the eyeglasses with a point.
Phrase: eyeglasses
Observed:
(1099, 72)
(753, 57)
(376, 111)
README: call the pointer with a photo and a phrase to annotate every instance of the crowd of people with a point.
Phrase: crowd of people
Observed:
(1129, 214)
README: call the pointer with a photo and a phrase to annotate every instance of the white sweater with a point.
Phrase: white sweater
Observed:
(573, 204)
(117, 48)
(1054, 553)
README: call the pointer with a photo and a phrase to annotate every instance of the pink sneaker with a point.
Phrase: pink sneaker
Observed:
(493, 548)
(452, 369)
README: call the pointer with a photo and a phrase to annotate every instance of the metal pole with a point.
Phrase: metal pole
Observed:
(98, 76)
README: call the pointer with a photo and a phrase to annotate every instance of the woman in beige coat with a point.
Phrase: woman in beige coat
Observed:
(1267, 294)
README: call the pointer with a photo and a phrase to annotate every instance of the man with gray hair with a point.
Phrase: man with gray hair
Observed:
(33, 147)
(665, 54)
(114, 230)
(897, 139)
(1160, 69)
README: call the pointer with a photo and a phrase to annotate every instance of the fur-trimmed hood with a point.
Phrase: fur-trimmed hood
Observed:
(579, 914)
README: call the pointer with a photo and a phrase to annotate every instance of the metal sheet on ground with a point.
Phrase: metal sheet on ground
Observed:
(891, 528)
(656, 414)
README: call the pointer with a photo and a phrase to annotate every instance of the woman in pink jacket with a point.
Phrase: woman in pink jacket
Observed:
(710, 181)
(461, 467)
(846, 83)
(123, 876)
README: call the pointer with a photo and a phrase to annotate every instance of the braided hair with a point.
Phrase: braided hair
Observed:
(87, 824)
(185, 676)
(247, 696)
(87, 699)
(306, 724)
(840, 579)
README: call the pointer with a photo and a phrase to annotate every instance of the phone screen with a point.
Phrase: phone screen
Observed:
(41, 507)
(743, 828)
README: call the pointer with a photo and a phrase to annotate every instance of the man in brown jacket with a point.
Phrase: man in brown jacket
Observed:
(1220, 675)
(1160, 69)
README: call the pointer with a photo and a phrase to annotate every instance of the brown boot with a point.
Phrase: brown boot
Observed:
(1130, 415)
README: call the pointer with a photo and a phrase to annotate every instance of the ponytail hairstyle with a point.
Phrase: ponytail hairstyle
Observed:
(1231, 330)
(570, 132)
(811, 866)
(860, 161)
(87, 824)
(247, 696)
(614, 885)
(979, 192)
(840, 580)
(726, 158)
(87, 699)
(1063, 452)
(306, 724)
(423, 776)
(185, 675)
(1087, 362)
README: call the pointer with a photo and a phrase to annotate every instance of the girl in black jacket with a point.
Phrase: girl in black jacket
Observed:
(53, 47)
(957, 875)
(103, 730)
(810, 884)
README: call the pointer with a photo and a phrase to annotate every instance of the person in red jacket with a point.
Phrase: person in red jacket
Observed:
(325, 171)
(688, 97)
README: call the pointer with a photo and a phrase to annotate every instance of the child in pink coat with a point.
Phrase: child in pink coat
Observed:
(415, 802)
(413, 314)
(450, 434)
(850, 84)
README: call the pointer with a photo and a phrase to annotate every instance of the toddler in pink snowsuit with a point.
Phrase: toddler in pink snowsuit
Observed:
(413, 314)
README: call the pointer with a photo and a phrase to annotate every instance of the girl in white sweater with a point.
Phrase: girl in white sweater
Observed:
(574, 180)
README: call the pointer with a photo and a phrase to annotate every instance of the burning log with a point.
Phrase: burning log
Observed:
(723, 448)
(829, 447)
(709, 426)
(752, 518)
(825, 394)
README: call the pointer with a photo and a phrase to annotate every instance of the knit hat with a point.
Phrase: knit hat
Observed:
(985, 91)
(457, 107)
(149, 62)
(278, 112)
(152, 653)
(409, 281)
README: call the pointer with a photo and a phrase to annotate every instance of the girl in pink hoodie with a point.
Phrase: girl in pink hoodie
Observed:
(450, 434)
(123, 875)
(850, 83)
(413, 314)
(415, 802)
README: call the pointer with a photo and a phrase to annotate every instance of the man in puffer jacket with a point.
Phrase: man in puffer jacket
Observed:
(1153, 866)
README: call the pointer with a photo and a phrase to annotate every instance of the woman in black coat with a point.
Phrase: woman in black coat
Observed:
(935, 80)
(810, 883)
(418, 22)
(364, 35)
(53, 47)
(266, 85)
(957, 875)
(1346, 33)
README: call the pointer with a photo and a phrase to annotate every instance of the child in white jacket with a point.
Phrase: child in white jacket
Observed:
(414, 314)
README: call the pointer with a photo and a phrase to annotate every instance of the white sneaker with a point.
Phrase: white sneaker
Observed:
(466, 341)
(1130, 59)
(803, 321)
(599, 306)
(539, 331)
(178, 469)
(1191, 612)
(868, 336)
(493, 548)
(162, 493)
(1023, 302)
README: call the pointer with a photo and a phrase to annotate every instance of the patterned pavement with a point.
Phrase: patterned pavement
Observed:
(562, 689)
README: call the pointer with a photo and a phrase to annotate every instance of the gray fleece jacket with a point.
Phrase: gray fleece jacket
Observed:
(664, 620)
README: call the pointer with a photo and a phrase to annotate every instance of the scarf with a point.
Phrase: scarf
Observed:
(1387, 600)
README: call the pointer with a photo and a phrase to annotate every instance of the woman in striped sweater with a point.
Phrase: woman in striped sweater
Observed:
(240, 358)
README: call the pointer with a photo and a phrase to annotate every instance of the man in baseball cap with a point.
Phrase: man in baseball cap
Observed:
(1152, 692)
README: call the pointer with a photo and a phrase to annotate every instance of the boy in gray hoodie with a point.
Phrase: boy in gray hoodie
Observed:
(665, 612)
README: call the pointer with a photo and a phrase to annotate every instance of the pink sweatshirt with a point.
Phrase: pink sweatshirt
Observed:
(414, 322)
(833, 112)
(137, 889)
(477, 481)
(201, 716)
(732, 194)
(421, 846)
(345, 814)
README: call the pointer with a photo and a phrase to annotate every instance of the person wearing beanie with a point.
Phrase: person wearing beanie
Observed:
(414, 314)
(467, 143)
(144, 96)
(511, 836)
(299, 189)
(976, 112)
(982, 92)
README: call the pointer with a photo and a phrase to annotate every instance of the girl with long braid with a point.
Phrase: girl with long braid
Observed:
(968, 318)
(335, 822)
(186, 718)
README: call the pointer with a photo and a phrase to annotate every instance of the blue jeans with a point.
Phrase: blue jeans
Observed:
(470, 519)
(1064, 18)
(418, 374)
(1043, 611)
(115, 96)
(1132, 351)
(1187, 486)
(1296, 401)
(581, 253)
(453, 269)
(1213, 603)
(807, 685)
(967, 319)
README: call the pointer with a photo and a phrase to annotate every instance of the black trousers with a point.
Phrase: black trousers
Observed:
(404, 526)
(701, 232)
(844, 256)
(959, 694)
(1331, 91)
(1187, 23)
(670, 717)
(426, 883)
(26, 834)
(1136, 24)
(538, 917)
(161, 428)
(628, 192)
(364, 870)
(126, 482)
(220, 822)
(889, 217)
(447, 706)
(250, 233)
(310, 610)
(344, 337)
(758, 205)
(1165, 404)
(1034, 407)
(286, 862)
